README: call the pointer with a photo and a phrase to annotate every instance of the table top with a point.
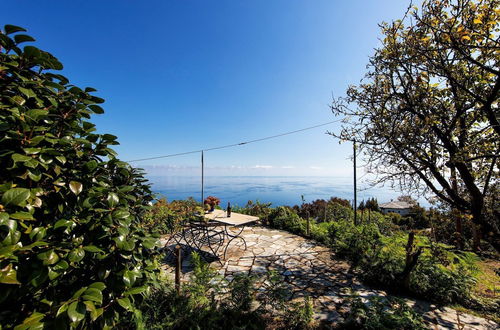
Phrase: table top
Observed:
(236, 219)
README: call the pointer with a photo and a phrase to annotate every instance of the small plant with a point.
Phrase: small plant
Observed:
(205, 283)
(380, 313)
(300, 315)
(276, 293)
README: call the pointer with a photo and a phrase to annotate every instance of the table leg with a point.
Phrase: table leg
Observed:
(232, 237)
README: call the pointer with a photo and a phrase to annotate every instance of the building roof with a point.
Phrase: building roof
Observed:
(396, 205)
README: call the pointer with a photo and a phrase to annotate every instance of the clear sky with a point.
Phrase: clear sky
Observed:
(185, 75)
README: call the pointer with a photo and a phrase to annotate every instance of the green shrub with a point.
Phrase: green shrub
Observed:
(164, 217)
(258, 209)
(440, 275)
(444, 276)
(339, 212)
(72, 252)
(354, 242)
(319, 232)
(380, 313)
(242, 292)
(285, 218)
(300, 315)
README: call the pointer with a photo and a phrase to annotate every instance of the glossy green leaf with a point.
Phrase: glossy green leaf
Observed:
(93, 249)
(112, 199)
(98, 285)
(137, 290)
(61, 159)
(26, 91)
(129, 278)
(61, 265)
(76, 255)
(36, 114)
(8, 275)
(39, 276)
(93, 294)
(31, 51)
(37, 233)
(48, 257)
(149, 243)
(62, 309)
(121, 214)
(90, 306)
(76, 311)
(22, 216)
(34, 176)
(15, 196)
(79, 292)
(32, 151)
(32, 322)
(64, 223)
(76, 187)
(125, 303)
(94, 315)
(91, 165)
(20, 158)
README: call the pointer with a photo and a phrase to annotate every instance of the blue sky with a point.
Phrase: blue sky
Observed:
(184, 75)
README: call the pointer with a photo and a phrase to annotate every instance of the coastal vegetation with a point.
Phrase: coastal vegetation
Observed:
(399, 254)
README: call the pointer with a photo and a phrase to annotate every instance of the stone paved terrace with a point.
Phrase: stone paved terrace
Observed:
(311, 269)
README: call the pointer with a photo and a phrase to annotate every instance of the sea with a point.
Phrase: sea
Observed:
(278, 190)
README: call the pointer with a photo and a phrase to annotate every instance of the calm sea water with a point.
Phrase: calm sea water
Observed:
(277, 190)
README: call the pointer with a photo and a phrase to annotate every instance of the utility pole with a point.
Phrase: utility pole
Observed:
(355, 188)
(202, 178)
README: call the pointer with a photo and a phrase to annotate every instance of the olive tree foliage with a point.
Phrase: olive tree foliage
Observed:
(72, 251)
(426, 115)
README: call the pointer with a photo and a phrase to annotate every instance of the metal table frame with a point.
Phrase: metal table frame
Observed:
(194, 235)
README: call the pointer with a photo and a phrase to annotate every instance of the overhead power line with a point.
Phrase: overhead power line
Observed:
(236, 144)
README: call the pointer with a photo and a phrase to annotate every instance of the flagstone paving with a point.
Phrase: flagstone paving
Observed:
(310, 269)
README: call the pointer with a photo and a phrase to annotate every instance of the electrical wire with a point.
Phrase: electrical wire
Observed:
(236, 144)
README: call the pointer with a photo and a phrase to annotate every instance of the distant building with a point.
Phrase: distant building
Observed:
(398, 207)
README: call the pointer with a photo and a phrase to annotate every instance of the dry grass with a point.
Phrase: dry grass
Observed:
(488, 285)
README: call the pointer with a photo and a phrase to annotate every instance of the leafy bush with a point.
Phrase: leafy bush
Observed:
(440, 275)
(380, 313)
(354, 242)
(447, 277)
(72, 252)
(164, 217)
(284, 217)
(338, 212)
(258, 209)
(325, 210)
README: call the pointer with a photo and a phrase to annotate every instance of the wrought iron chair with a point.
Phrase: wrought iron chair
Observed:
(196, 234)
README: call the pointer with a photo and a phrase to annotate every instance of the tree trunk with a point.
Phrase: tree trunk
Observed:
(411, 261)
(476, 237)
(459, 230)
(481, 226)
